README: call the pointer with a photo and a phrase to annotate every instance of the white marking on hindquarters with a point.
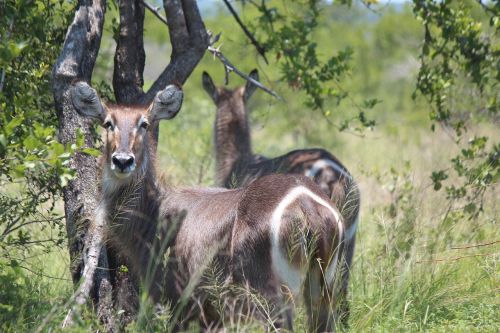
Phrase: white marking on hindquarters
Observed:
(291, 276)
(323, 163)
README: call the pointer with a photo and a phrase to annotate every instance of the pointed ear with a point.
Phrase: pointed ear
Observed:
(167, 103)
(209, 86)
(250, 87)
(86, 101)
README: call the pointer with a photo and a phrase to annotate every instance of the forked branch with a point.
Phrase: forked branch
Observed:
(189, 40)
(258, 47)
(228, 66)
(155, 11)
(91, 260)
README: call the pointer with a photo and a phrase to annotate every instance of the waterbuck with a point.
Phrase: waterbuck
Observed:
(280, 237)
(237, 165)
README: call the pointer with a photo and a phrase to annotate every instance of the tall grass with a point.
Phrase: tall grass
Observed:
(412, 270)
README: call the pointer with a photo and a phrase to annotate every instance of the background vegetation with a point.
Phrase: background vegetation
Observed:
(421, 156)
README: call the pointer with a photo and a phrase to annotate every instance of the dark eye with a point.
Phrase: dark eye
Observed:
(108, 125)
(144, 125)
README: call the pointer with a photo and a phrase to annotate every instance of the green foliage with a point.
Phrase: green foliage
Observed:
(33, 165)
(408, 278)
(478, 169)
(28, 299)
(459, 75)
(397, 282)
(402, 209)
(458, 46)
(287, 31)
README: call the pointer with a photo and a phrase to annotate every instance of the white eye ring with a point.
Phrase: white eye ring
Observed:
(144, 125)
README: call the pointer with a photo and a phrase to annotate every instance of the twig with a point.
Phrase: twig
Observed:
(7, 36)
(457, 258)
(255, 43)
(486, 8)
(474, 245)
(2, 79)
(155, 11)
(42, 274)
(231, 68)
(92, 252)
(189, 41)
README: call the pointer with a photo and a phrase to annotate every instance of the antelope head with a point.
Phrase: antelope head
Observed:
(128, 129)
(231, 99)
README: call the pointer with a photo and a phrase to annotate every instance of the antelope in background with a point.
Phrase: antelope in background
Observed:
(278, 236)
(237, 165)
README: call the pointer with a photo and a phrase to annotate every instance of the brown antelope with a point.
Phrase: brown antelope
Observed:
(278, 236)
(237, 165)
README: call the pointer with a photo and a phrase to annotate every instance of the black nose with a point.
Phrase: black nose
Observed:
(122, 161)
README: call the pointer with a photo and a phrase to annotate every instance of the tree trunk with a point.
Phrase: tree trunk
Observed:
(76, 62)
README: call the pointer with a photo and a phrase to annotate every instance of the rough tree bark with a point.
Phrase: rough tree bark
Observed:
(129, 56)
(188, 37)
(76, 62)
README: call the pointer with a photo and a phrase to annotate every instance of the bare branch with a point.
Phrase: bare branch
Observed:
(176, 24)
(255, 43)
(91, 258)
(155, 11)
(457, 258)
(469, 246)
(229, 67)
(7, 36)
(486, 8)
(194, 22)
(129, 56)
(80, 48)
(43, 275)
(189, 40)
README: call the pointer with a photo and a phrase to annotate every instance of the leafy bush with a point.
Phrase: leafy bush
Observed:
(33, 165)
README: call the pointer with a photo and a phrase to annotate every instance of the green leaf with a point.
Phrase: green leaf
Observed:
(65, 178)
(31, 143)
(437, 178)
(80, 139)
(19, 170)
(29, 164)
(57, 148)
(12, 125)
(91, 151)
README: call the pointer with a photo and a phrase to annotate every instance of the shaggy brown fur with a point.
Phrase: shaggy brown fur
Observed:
(237, 165)
(173, 236)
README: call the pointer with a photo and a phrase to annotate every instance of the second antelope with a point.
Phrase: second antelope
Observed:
(237, 165)
(277, 237)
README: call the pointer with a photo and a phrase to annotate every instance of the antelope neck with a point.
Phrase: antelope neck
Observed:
(232, 139)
